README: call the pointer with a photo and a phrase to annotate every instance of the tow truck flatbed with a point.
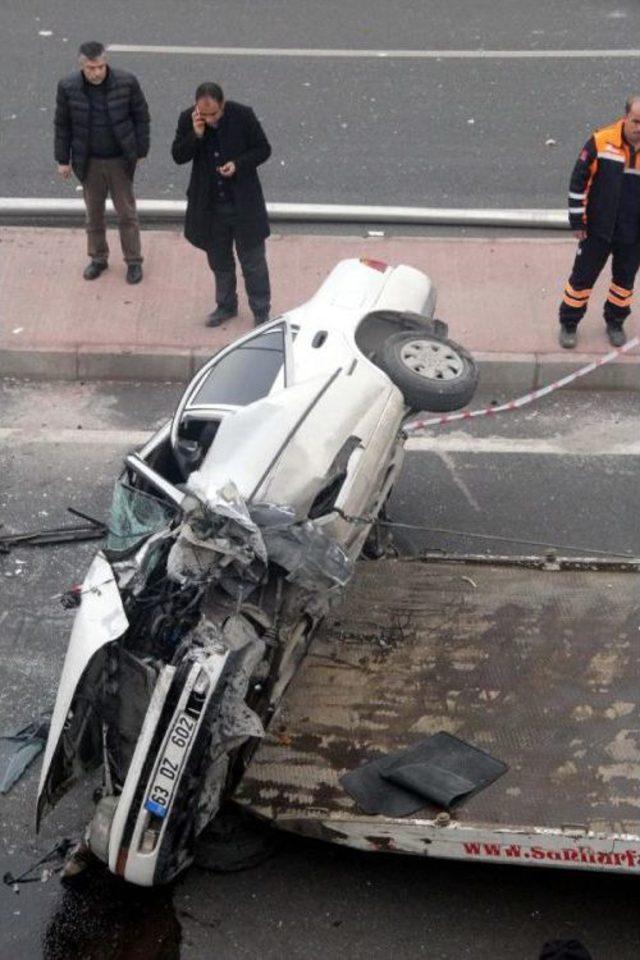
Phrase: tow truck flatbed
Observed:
(538, 667)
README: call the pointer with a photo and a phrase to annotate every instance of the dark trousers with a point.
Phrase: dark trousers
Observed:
(253, 262)
(111, 178)
(591, 257)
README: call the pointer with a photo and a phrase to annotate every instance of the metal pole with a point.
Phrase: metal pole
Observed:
(172, 211)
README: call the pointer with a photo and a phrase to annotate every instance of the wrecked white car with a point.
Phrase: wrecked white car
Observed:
(231, 531)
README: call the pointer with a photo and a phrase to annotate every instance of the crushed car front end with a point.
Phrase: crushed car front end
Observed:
(178, 656)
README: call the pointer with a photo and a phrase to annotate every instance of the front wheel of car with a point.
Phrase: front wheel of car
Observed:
(432, 373)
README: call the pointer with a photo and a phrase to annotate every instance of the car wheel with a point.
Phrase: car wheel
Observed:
(433, 373)
(234, 840)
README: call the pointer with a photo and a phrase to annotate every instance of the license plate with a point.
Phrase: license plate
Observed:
(168, 770)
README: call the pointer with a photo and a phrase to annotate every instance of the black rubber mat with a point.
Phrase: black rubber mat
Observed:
(442, 770)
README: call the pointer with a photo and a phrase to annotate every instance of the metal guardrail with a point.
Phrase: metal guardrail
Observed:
(172, 211)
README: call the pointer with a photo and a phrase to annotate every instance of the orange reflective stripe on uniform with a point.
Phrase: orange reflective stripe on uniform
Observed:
(619, 301)
(577, 294)
(621, 291)
(572, 302)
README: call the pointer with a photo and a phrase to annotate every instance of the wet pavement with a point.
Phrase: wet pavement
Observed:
(310, 900)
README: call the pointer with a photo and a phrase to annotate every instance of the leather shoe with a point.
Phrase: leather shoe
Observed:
(220, 315)
(134, 273)
(94, 268)
(617, 336)
(261, 318)
(568, 337)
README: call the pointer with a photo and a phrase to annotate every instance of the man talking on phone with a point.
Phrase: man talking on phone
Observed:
(225, 205)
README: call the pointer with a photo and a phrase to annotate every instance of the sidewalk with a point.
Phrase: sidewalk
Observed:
(499, 298)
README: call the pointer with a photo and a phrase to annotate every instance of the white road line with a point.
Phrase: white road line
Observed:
(356, 54)
(377, 54)
(458, 481)
(444, 443)
(559, 446)
(13, 436)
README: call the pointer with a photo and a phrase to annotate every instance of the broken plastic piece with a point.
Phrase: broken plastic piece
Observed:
(22, 748)
(218, 540)
(312, 559)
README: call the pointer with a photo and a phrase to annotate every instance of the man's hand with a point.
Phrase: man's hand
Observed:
(64, 171)
(227, 169)
(199, 124)
(580, 235)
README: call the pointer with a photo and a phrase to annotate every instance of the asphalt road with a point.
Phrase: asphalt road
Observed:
(312, 900)
(448, 132)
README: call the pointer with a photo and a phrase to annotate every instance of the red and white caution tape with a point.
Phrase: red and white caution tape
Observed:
(423, 422)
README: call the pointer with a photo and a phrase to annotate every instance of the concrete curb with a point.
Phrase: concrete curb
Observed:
(511, 374)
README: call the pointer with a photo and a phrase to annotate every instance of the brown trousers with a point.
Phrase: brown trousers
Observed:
(110, 178)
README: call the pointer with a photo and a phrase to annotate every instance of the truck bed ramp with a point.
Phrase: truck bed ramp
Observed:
(539, 668)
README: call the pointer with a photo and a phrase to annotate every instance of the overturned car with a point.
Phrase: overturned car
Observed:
(231, 532)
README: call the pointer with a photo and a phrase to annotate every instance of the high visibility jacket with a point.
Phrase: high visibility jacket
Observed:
(604, 193)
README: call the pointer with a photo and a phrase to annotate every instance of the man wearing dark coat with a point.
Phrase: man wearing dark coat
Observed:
(101, 132)
(225, 144)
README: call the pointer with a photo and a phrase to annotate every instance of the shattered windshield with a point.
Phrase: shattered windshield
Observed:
(133, 517)
(245, 374)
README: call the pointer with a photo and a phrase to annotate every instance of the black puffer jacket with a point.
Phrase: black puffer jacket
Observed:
(241, 139)
(128, 112)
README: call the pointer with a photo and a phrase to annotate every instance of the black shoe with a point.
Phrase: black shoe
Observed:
(568, 337)
(134, 273)
(94, 268)
(259, 318)
(220, 315)
(617, 336)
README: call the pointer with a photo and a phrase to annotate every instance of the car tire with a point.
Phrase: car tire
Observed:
(234, 841)
(432, 373)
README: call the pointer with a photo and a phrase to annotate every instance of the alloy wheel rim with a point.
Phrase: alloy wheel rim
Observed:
(432, 360)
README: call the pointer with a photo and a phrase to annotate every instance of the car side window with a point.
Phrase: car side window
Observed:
(245, 374)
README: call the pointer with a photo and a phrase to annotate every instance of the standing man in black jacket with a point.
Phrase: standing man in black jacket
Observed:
(101, 132)
(225, 204)
(604, 214)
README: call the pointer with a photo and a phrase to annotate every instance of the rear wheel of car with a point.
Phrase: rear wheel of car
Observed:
(432, 373)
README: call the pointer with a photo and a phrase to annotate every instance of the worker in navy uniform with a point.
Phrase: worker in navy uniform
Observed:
(226, 144)
(604, 213)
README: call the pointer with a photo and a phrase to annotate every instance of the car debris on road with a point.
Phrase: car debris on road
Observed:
(19, 749)
(90, 530)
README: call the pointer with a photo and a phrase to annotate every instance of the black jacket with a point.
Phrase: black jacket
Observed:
(127, 109)
(604, 193)
(242, 140)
